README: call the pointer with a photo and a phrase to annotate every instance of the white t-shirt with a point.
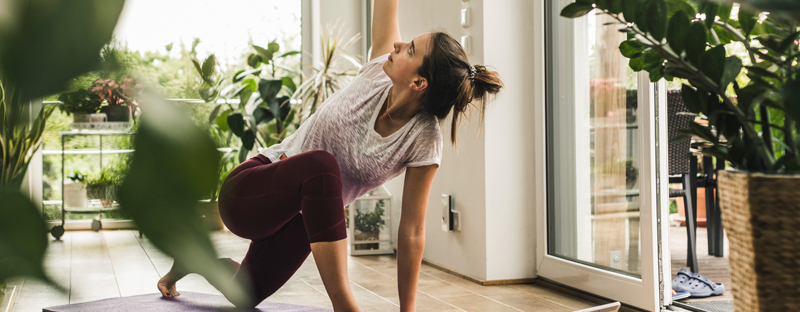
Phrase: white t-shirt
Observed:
(344, 125)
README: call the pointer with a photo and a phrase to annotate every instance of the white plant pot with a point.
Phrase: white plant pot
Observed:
(75, 195)
(81, 117)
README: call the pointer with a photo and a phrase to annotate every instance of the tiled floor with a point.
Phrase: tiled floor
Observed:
(106, 264)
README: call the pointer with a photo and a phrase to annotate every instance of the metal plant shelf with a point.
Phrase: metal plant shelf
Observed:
(58, 231)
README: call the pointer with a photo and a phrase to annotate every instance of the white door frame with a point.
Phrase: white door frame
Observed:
(647, 292)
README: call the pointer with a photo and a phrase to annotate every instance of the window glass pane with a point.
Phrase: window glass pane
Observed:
(593, 187)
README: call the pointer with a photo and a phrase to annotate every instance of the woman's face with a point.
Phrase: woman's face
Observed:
(404, 61)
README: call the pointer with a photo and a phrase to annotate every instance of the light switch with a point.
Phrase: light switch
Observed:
(466, 42)
(465, 17)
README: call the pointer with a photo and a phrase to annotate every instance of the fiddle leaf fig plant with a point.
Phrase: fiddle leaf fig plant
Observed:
(263, 96)
(752, 102)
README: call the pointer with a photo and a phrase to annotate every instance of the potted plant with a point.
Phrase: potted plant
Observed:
(104, 188)
(329, 76)
(753, 105)
(209, 207)
(368, 225)
(263, 114)
(121, 98)
(75, 192)
(82, 105)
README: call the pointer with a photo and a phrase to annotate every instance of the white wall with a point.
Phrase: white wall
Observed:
(490, 175)
(510, 212)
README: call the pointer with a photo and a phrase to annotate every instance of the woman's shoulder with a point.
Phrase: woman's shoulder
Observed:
(374, 68)
(428, 128)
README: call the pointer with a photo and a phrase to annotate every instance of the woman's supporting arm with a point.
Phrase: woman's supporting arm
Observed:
(411, 235)
(385, 27)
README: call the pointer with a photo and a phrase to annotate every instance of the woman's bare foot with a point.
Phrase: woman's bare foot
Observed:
(166, 285)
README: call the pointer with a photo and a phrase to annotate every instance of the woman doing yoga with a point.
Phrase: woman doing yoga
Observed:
(289, 200)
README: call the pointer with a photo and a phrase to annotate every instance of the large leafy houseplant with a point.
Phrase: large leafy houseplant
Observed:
(691, 40)
(263, 94)
(752, 105)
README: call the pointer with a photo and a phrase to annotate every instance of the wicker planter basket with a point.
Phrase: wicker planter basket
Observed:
(761, 215)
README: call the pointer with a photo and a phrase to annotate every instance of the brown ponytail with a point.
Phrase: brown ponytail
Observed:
(451, 85)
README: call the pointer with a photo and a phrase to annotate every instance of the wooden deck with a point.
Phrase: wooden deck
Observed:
(107, 264)
(715, 268)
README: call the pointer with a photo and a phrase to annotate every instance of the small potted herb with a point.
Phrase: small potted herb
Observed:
(75, 191)
(82, 105)
(104, 188)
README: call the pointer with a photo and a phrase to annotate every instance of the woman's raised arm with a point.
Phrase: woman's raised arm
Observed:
(385, 27)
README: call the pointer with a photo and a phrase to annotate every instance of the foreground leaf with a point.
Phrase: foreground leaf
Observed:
(23, 237)
(174, 162)
(39, 54)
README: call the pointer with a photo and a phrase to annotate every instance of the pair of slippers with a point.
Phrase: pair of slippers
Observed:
(695, 285)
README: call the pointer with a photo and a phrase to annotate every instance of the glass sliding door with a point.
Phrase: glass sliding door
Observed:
(601, 210)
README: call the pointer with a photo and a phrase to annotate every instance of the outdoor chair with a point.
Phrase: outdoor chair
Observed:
(683, 169)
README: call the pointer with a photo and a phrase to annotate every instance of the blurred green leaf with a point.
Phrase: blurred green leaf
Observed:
(713, 63)
(222, 120)
(290, 53)
(274, 47)
(637, 64)
(656, 75)
(628, 50)
(761, 72)
(244, 95)
(269, 88)
(724, 12)
(254, 60)
(747, 20)
(710, 9)
(23, 237)
(243, 73)
(733, 66)
(678, 26)
(198, 67)
(289, 83)
(236, 123)
(690, 99)
(629, 10)
(656, 18)
(695, 42)
(39, 54)
(576, 9)
(652, 60)
(262, 115)
(265, 54)
(248, 139)
(703, 132)
(208, 68)
(673, 6)
(174, 162)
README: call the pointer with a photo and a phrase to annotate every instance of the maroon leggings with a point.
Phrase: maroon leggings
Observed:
(282, 208)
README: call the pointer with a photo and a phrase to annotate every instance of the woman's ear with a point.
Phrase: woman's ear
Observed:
(420, 84)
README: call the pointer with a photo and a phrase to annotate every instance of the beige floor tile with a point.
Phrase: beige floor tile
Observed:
(92, 274)
(135, 273)
(553, 296)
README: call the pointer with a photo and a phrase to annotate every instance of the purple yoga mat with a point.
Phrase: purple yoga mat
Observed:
(187, 301)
